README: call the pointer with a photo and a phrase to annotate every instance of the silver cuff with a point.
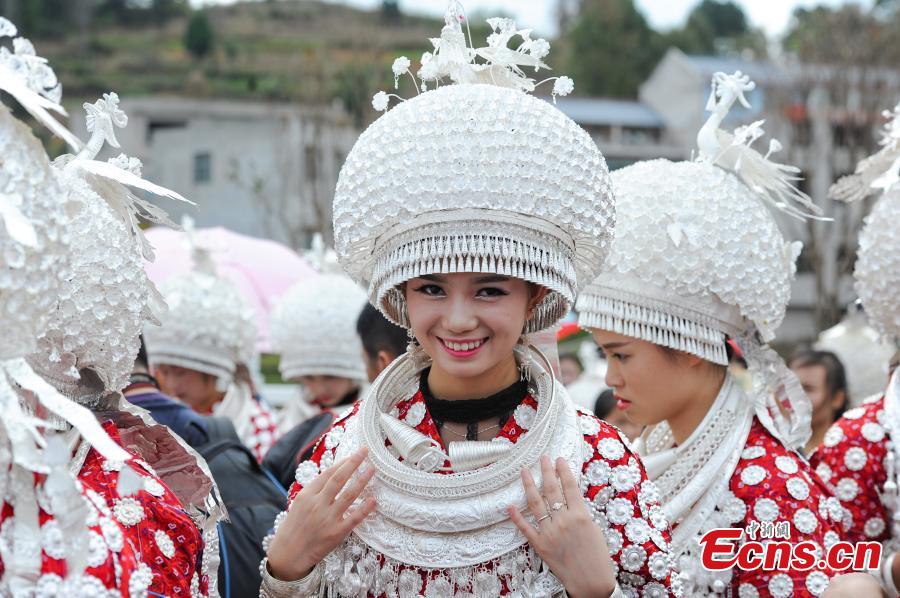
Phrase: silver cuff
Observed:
(616, 593)
(272, 587)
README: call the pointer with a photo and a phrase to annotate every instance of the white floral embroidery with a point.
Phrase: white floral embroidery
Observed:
(587, 451)
(110, 465)
(846, 489)
(648, 493)
(633, 558)
(753, 475)
(112, 533)
(855, 413)
(141, 578)
(781, 586)
(52, 540)
(333, 438)
(166, 546)
(824, 472)
(128, 511)
(798, 488)
(766, 509)
(833, 436)
(816, 583)
(872, 432)
(637, 530)
(619, 511)
(654, 590)
(84, 585)
(603, 496)
(611, 449)
(524, 416)
(835, 510)
(658, 563)
(805, 521)
(855, 458)
(874, 527)
(732, 507)
(753, 452)
(97, 549)
(625, 477)
(415, 414)
(153, 487)
(49, 584)
(745, 590)
(786, 464)
(306, 472)
(658, 518)
(589, 425)
(598, 473)
(614, 540)
(831, 538)
(327, 459)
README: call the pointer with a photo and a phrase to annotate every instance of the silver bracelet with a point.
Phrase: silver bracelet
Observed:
(616, 593)
(272, 587)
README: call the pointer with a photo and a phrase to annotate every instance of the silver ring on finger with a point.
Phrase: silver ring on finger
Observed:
(557, 506)
(547, 516)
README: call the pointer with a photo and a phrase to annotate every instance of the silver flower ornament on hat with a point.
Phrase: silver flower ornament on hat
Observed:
(698, 257)
(456, 179)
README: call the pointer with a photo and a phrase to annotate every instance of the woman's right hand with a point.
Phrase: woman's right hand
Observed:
(320, 518)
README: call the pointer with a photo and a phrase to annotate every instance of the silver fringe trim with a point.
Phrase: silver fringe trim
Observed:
(653, 325)
(476, 246)
(354, 570)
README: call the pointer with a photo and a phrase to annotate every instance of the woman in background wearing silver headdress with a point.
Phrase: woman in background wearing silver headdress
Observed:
(483, 479)
(860, 455)
(697, 259)
(103, 520)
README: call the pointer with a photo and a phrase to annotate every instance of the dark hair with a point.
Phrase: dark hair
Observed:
(835, 375)
(141, 359)
(379, 334)
(605, 403)
(574, 358)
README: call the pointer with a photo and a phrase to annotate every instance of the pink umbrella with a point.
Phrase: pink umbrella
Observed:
(261, 269)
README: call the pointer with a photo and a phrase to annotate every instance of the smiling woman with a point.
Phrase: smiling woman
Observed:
(483, 478)
(698, 258)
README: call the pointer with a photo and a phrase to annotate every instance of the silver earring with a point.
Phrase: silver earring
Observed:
(415, 351)
(523, 358)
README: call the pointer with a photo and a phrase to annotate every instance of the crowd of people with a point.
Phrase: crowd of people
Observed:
(435, 448)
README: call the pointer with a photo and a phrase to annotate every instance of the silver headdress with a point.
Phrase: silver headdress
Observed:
(208, 326)
(457, 180)
(89, 347)
(698, 257)
(877, 270)
(314, 329)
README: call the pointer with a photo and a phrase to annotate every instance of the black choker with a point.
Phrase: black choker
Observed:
(471, 411)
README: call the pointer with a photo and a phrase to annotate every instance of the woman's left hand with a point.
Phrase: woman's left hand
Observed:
(564, 535)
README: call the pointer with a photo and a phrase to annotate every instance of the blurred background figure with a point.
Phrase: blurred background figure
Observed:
(606, 408)
(865, 357)
(825, 382)
(205, 340)
(145, 392)
(382, 340)
(313, 330)
(570, 368)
